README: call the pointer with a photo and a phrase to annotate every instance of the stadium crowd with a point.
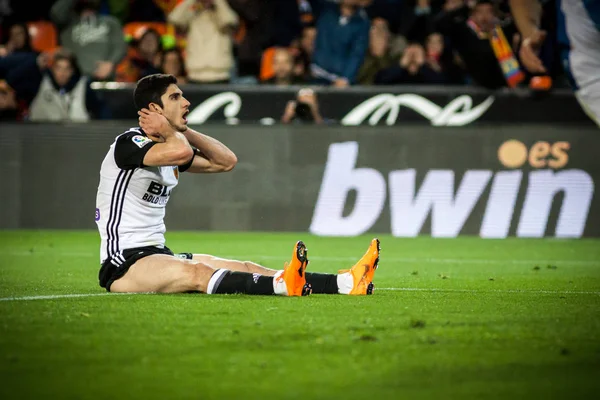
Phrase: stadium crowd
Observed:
(52, 52)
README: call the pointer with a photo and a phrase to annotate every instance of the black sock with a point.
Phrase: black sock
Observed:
(230, 282)
(322, 283)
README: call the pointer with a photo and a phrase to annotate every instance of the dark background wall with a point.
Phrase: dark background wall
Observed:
(51, 172)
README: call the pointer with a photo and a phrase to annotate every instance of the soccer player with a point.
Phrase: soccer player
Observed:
(578, 30)
(137, 177)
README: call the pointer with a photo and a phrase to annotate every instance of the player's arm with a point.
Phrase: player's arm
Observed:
(175, 150)
(134, 150)
(170, 148)
(211, 155)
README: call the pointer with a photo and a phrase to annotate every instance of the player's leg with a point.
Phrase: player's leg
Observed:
(167, 274)
(356, 280)
(160, 273)
(359, 279)
(234, 265)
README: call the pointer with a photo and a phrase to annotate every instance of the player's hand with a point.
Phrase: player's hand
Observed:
(530, 48)
(154, 124)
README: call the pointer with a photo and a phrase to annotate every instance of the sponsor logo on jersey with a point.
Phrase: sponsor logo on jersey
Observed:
(157, 193)
(140, 140)
(97, 216)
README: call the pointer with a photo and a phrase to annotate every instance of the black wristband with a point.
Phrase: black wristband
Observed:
(187, 165)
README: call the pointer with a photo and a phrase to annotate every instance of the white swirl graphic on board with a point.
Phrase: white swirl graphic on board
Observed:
(458, 112)
(231, 101)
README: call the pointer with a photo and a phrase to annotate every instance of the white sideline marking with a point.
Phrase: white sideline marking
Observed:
(437, 260)
(514, 291)
(425, 260)
(55, 296)
(510, 291)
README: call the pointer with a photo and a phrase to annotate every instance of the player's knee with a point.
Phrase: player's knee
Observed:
(198, 274)
(249, 265)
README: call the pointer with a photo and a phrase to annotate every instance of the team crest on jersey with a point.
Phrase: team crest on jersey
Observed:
(176, 172)
(140, 141)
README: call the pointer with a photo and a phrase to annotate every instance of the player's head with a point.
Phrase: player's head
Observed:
(159, 93)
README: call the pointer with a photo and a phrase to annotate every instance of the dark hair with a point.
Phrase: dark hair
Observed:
(150, 88)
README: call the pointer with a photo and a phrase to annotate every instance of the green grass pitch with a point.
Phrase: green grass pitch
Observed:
(450, 318)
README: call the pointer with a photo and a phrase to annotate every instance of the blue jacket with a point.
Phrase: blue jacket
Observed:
(341, 44)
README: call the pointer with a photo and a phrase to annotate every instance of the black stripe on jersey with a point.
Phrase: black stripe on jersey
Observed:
(118, 181)
(120, 213)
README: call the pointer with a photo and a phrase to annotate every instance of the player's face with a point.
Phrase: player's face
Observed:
(175, 107)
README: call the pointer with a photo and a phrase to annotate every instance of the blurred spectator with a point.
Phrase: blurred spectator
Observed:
(172, 63)
(341, 43)
(143, 59)
(307, 39)
(416, 20)
(10, 109)
(12, 11)
(60, 93)
(481, 42)
(305, 109)
(283, 66)
(117, 8)
(18, 40)
(303, 49)
(254, 34)
(411, 69)
(96, 40)
(441, 59)
(289, 17)
(301, 65)
(150, 10)
(209, 56)
(378, 56)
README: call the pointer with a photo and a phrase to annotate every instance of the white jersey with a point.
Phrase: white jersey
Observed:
(131, 199)
(579, 35)
(582, 31)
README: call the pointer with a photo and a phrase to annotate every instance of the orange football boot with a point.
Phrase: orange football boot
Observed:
(293, 273)
(364, 270)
